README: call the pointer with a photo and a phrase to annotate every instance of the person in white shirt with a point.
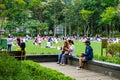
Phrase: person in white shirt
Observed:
(48, 44)
(71, 49)
(9, 43)
(70, 52)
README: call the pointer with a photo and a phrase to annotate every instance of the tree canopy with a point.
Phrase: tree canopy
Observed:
(81, 16)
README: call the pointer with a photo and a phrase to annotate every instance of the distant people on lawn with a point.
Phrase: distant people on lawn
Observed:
(9, 42)
(88, 55)
(35, 41)
(39, 40)
(49, 42)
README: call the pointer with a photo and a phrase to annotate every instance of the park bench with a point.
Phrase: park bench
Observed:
(20, 55)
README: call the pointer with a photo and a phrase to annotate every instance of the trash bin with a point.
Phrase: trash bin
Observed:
(0, 45)
(4, 43)
(0, 42)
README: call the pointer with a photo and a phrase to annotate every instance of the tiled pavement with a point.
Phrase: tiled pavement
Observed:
(77, 74)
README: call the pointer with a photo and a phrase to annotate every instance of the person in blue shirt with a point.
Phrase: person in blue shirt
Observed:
(88, 55)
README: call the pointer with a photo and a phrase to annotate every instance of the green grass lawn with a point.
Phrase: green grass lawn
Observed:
(79, 48)
(35, 49)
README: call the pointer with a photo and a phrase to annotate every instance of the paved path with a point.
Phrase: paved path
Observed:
(77, 74)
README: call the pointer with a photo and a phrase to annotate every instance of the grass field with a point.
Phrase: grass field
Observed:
(79, 48)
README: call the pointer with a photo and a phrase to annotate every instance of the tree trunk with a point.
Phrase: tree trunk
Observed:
(88, 27)
(65, 26)
(84, 30)
(69, 29)
(107, 31)
(65, 30)
(54, 30)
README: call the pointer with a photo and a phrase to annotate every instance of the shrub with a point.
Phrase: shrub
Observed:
(113, 60)
(11, 69)
(42, 73)
(108, 59)
(101, 58)
(114, 49)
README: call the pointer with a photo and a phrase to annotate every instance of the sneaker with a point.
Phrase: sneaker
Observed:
(58, 63)
(63, 64)
(79, 68)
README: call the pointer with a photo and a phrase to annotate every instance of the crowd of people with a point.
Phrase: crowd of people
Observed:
(54, 40)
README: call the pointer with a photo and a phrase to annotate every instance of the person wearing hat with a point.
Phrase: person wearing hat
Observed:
(88, 55)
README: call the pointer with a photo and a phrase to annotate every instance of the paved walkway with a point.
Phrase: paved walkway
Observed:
(77, 74)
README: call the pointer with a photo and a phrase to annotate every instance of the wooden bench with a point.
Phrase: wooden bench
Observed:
(20, 55)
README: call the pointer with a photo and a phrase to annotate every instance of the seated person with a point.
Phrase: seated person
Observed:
(88, 55)
(48, 44)
(69, 50)
(64, 48)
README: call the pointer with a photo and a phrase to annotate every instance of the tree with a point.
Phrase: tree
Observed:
(108, 16)
(86, 14)
(52, 13)
(118, 13)
(69, 13)
(11, 26)
(42, 27)
(32, 25)
(2, 13)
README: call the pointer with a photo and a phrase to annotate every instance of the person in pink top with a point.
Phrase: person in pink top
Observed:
(39, 41)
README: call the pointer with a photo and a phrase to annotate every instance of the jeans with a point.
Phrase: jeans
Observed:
(9, 47)
(59, 58)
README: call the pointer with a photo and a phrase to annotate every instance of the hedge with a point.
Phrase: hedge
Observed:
(12, 69)
(42, 73)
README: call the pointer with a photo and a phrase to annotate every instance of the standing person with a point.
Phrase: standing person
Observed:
(64, 49)
(9, 43)
(23, 50)
(35, 41)
(39, 41)
(88, 55)
(18, 41)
